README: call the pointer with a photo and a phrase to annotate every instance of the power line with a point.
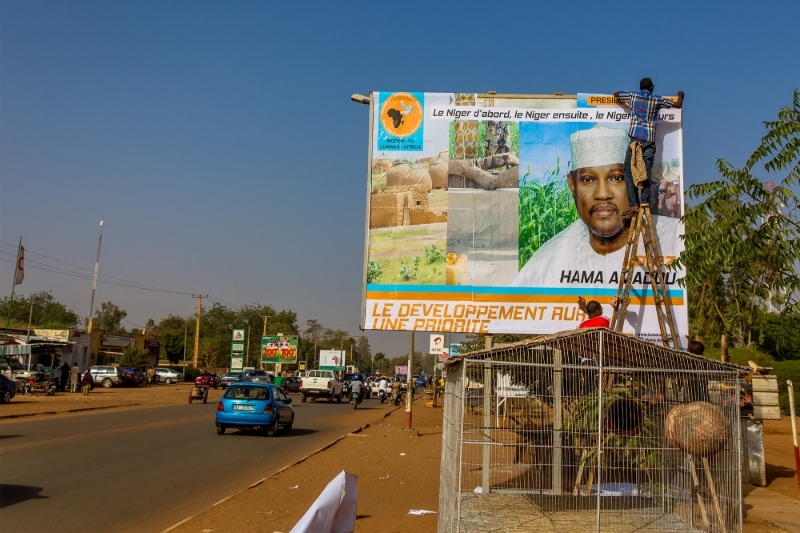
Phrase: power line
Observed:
(80, 267)
(79, 276)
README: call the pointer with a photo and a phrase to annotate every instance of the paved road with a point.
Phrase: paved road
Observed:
(146, 469)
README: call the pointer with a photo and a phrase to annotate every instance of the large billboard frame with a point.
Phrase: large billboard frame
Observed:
(547, 100)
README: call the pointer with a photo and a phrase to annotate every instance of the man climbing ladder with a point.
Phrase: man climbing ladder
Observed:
(641, 152)
(644, 116)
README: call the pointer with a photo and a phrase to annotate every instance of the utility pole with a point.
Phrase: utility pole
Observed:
(197, 327)
(263, 334)
(17, 281)
(30, 355)
(247, 350)
(409, 379)
(185, 334)
(94, 281)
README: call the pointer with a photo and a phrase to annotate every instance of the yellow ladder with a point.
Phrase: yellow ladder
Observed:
(642, 226)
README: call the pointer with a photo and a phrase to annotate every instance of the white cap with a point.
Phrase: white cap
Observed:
(598, 146)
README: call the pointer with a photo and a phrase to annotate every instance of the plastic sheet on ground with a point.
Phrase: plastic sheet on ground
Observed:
(334, 511)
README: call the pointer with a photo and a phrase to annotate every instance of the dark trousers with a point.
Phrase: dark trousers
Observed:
(648, 154)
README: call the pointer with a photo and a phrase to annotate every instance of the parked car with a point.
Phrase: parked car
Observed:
(256, 376)
(8, 389)
(134, 376)
(292, 384)
(230, 377)
(168, 376)
(349, 378)
(108, 376)
(259, 406)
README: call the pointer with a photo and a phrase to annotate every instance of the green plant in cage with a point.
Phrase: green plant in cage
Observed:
(637, 449)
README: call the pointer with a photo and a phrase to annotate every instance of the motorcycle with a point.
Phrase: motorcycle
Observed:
(37, 384)
(382, 395)
(355, 399)
(397, 398)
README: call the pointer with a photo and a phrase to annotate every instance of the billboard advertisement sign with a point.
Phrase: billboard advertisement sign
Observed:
(331, 359)
(237, 363)
(279, 349)
(403, 370)
(437, 344)
(493, 215)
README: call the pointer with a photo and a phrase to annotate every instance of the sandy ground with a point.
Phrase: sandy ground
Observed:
(398, 471)
(100, 398)
(372, 455)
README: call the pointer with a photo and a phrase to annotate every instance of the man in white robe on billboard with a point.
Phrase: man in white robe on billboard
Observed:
(592, 248)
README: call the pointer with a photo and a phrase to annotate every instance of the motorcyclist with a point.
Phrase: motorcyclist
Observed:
(205, 379)
(383, 385)
(356, 388)
(395, 388)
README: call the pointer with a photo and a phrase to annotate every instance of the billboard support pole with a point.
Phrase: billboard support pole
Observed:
(409, 379)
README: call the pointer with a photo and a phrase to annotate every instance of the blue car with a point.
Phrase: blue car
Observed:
(259, 406)
(419, 381)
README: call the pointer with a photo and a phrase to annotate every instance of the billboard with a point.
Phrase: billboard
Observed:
(279, 349)
(493, 215)
(331, 359)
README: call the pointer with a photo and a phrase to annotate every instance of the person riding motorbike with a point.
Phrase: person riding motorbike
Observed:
(205, 379)
(396, 392)
(356, 387)
(383, 388)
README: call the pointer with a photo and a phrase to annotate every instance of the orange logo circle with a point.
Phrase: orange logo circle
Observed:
(401, 114)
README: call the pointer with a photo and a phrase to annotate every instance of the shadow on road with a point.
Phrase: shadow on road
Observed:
(11, 494)
(296, 432)
(10, 436)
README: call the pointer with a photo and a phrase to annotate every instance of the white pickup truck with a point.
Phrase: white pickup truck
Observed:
(321, 384)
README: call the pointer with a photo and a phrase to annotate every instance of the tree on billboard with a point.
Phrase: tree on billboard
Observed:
(743, 237)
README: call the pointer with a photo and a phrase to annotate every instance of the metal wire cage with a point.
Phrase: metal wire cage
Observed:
(590, 430)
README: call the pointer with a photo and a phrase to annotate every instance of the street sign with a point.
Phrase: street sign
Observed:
(238, 335)
(437, 343)
(237, 363)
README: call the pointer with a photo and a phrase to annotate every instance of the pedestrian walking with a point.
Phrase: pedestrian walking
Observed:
(64, 377)
(74, 377)
(87, 382)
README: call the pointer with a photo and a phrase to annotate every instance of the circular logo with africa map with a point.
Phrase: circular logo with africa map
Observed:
(401, 114)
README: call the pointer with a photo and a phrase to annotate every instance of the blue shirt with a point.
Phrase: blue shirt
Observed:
(644, 107)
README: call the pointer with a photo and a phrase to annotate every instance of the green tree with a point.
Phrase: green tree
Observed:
(47, 312)
(109, 317)
(314, 332)
(743, 237)
(133, 356)
(363, 354)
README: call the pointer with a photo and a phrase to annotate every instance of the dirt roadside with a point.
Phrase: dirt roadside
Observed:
(398, 471)
(26, 405)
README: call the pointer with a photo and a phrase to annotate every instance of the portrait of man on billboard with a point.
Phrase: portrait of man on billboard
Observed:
(590, 249)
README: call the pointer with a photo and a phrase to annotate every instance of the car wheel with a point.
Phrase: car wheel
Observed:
(107, 383)
(303, 399)
(339, 399)
(6, 398)
(330, 398)
(168, 381)
(220, 430)
(273, 430)
(288, 427)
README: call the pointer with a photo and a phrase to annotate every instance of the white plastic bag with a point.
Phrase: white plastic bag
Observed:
(334, 511)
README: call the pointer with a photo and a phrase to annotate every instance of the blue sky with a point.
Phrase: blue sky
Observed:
(219, 142)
